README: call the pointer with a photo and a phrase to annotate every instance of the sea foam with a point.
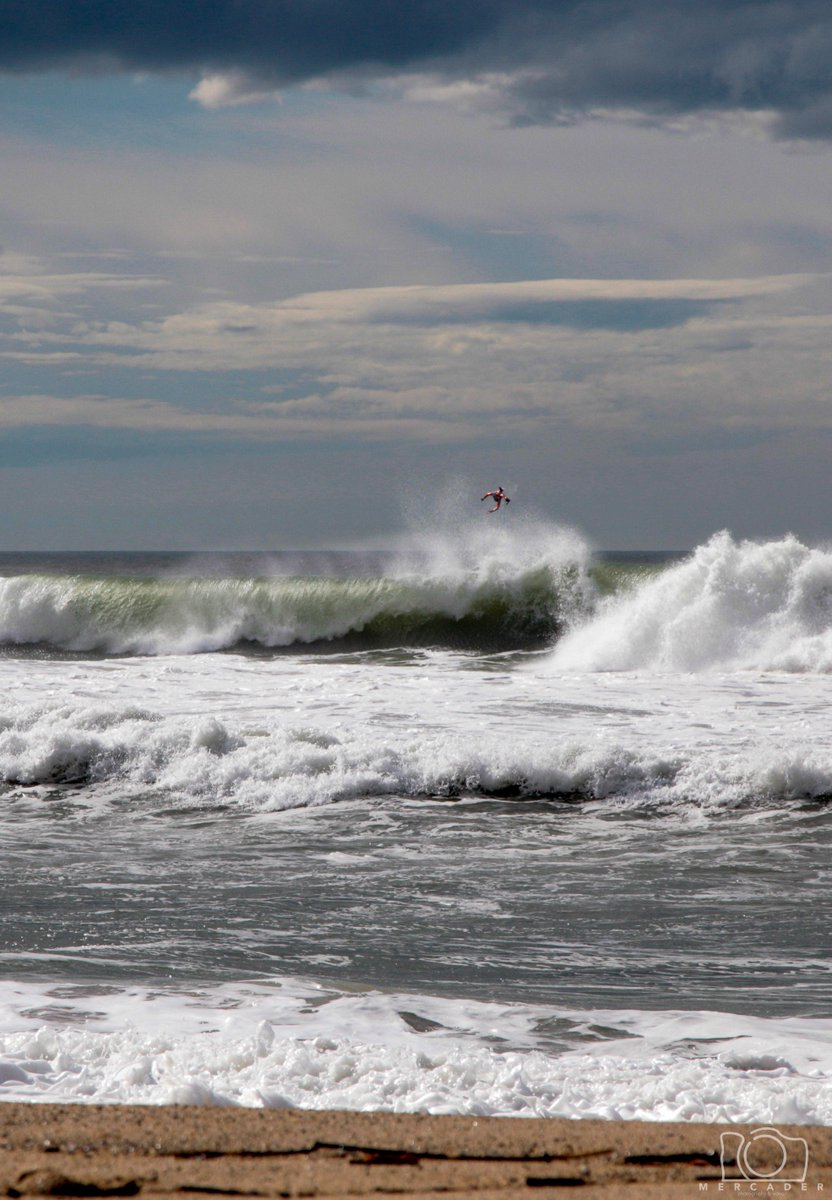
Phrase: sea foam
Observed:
(304, 1046)
(730, 606)
(276, 765)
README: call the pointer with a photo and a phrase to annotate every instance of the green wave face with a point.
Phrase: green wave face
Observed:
(146, 616)
(610, 579)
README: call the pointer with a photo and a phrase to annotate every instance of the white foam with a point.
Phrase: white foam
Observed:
(285, 734)
(731, 605)
(302, 1046)
(286, 766)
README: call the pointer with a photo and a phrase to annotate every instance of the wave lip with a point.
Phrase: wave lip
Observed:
(730, 606)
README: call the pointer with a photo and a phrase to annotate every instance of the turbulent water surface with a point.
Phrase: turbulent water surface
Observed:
(493, 826)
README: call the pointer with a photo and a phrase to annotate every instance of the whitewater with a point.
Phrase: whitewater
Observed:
(487, 824)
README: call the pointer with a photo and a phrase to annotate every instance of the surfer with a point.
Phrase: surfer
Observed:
(499, 496)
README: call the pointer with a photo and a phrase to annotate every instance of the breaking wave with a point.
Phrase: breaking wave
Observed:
(272, 766)
(477, 593)
(732, 605)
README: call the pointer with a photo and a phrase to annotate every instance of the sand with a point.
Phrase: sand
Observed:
(86, 1150)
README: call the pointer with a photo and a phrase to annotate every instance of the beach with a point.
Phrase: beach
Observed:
(123, 1151)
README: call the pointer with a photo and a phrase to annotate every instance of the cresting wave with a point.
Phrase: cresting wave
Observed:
(119, 616)
(471, 593)
(730, 606)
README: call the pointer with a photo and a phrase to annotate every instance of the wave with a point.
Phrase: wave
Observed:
(471, 592)
(732, 605)
(209, 763)
(120, 616)
(298, 1044)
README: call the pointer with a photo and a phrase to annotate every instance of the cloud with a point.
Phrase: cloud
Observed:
(229, 91)
(100, 412)
(356, 413)
(456, 303)
(455, 364)
(348, 326)
(539, 61)
(285, 41)
(44, 286)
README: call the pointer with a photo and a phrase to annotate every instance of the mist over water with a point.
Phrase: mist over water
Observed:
(481, 823)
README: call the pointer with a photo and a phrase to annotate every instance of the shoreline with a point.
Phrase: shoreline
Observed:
(129, 1150)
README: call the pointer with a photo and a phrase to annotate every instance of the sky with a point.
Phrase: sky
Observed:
(304, 273)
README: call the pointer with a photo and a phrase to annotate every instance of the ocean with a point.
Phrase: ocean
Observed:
(491, 824)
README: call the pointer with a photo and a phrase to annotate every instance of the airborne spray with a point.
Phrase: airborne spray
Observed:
(730, 606)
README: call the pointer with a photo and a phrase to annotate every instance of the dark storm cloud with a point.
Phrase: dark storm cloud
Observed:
(556, 59)
(283, 40)
(675, 57)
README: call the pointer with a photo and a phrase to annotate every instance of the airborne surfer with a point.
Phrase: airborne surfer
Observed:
(499, 496)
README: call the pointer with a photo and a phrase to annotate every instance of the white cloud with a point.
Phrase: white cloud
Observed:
(440, 364)
(227, 330)
(383, 195)
(357, 413)
(230, 90)
(45, 288)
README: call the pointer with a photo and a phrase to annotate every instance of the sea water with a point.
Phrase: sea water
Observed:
(494, 825)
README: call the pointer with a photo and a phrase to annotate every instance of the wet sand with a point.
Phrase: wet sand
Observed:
(81, 1150)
